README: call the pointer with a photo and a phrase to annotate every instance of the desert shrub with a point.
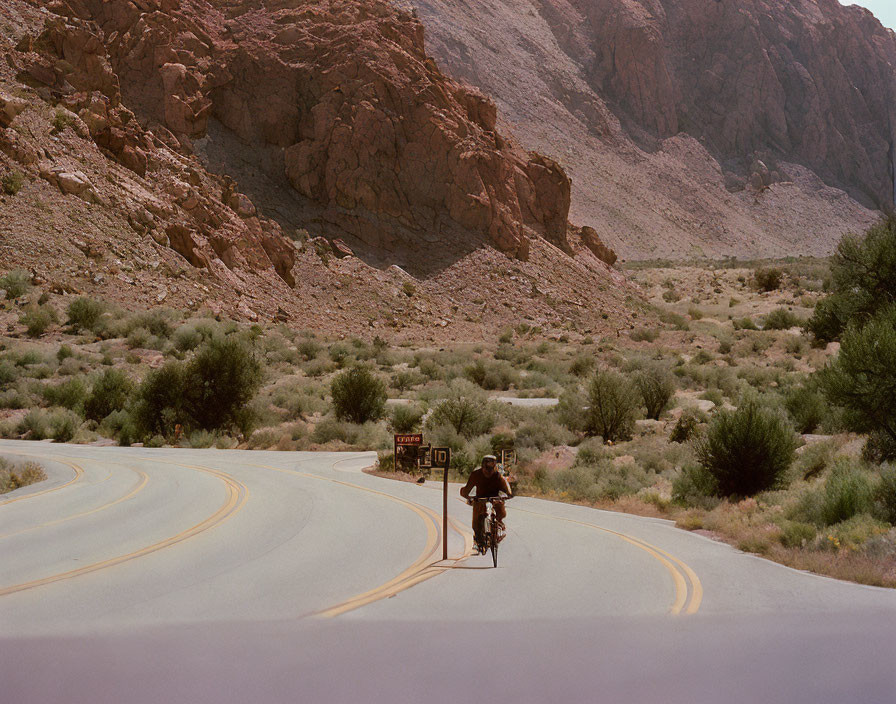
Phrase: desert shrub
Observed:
(886, 494)
(747, 450)
(879, 448)
(806, 406)
(110, 392)
(677, 321)
(309, 348)
(645, 334)
(656, 385)
(781, 319)
(797, 534)
(848, 491)
(16, 283)
(63, 425)
(405, 419)
(468, 416)
(795, 345)
(571, 410)
(597, 482)
(157, 321)
(768, 279)
(64, 352)
(405, 380)
(15, 475)
(141, 338)
(35, 425)
(319, 367)
(814, 459)
(220, 382)
(490, 375)
(37, 319)
(862, 379)
(671, 296)
(695, 486)
(358, 395)
(85, 313)
(12, 182)
(863, 280)
(340, 354)
(611, 408)
(201, 439)
(540, 434)
(582, 365)
(8, 373)
(68, 394)
(744, 324)
(159, 404)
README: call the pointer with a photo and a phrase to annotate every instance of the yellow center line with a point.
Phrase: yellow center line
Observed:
(144, 479)
(680, 580)
(78, 474)
(423, 568)
(237, 495)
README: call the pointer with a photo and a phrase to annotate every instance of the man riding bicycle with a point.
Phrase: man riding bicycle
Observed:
(489, 483)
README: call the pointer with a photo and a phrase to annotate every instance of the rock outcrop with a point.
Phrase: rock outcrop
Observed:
(365, 127)
(660, 109)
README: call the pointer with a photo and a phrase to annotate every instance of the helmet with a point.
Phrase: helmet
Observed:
(489, 457)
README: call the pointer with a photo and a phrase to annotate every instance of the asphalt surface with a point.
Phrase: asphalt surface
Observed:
(136, 575)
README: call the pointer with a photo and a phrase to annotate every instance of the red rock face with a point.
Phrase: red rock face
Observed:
(367, 129)
(810, 81)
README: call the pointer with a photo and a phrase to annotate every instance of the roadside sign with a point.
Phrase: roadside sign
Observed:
(508, 457)
(441, 457)
(406, 452)
(424, 456)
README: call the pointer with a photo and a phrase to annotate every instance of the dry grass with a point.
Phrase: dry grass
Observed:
(15, 475)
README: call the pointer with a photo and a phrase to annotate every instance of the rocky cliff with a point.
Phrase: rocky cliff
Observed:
(732, 126)
(277, 159)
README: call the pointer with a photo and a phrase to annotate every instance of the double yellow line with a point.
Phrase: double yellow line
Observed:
(237, 494)
(78, 474)
(426, 566)
(688, 589)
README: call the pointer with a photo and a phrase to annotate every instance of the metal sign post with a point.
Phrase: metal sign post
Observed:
(441, 457)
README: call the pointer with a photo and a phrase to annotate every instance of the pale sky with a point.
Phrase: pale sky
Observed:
(884, 10)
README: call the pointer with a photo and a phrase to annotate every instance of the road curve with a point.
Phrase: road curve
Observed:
(164, 565)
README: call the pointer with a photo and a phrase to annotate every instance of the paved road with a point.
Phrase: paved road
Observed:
(136, 575)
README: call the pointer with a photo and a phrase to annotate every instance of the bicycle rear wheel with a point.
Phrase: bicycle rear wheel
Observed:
(493, 539)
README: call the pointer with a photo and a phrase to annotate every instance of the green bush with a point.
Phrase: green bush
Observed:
(611, 407)
(12, 182)
(582, 365)
(358, 395)
(491, 376)
(69, 394)
(645, 334)
(768, 279)
(886, 494)
(85, 313)
(862, 379)
(111, 392)
(220, 382)
(695, 486)
(797, 534)
(806, 406)
(747, 450)
(37, 319)
(744, 324)
(63, 425)
(656, 386)
(848, 491)
(468, 417)
(782, 319)
(35, 425)
(159, 402)
(16, 283)
(879, 448)
(863, 281)
(405, 419)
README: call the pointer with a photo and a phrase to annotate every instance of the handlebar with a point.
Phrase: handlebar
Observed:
(471, 499)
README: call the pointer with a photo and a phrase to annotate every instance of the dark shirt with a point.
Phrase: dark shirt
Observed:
(486, 487)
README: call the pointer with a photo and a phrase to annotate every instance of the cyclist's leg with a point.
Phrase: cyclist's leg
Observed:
(500, 513)
(478, 521)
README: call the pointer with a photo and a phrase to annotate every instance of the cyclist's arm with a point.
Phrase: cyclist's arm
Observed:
(506, 487)
(466, 489)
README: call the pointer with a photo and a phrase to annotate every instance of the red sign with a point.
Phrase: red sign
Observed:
(409, 439)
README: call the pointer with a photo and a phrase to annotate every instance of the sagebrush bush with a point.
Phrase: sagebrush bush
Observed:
(12, 182)
(782, 319)
(695, 486)
(466, 415)
(16, 283)
(611, 406)
(747, 450)
(14, 475)
(110, 392)
(886, 494)
(85, 313)
(68, 394)
(656, 386)
(862, 379)
(806, 406)
(492, 376)
(358, 395)
(405, 419)
(848, 491)
(768, 279)
(37, 319)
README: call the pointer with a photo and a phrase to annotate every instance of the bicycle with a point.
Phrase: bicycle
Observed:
(489, 529)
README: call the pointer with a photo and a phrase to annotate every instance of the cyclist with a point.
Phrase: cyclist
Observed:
(489, 483)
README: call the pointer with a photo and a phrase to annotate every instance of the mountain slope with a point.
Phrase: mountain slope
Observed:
(751, 128)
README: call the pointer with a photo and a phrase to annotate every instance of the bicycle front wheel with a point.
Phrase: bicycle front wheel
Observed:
(493, 539)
